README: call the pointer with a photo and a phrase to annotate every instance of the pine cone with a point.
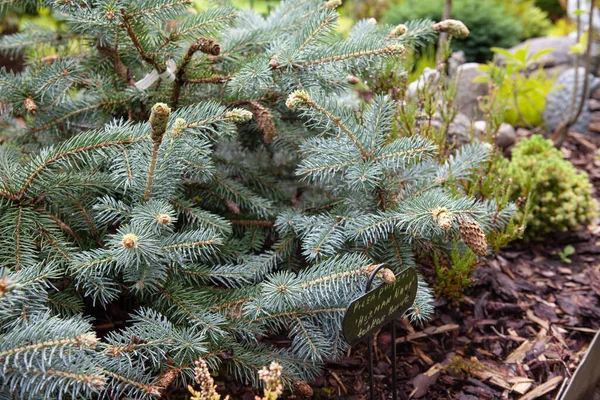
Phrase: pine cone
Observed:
(301, 388)
(264, 121)
(207, 46)
(473, 236)
(167, 378)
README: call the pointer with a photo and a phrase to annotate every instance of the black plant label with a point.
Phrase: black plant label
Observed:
(379, 307)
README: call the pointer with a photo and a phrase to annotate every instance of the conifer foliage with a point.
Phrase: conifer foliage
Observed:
(211, 177)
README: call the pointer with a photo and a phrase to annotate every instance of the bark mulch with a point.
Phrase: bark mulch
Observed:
(522, 328)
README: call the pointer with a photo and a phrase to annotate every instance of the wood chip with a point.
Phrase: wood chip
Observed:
(543, 389)
(519, 354)
(428, 332)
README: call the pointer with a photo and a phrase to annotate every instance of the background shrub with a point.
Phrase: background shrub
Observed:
(561, 196)
(499, 23)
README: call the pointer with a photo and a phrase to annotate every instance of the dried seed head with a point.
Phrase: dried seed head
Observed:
(30, 105)
(398, 31)
(442, 218)
(158, 120)
(238, 115)
(302, 388)
(452, 27)
(109, 14)
(331, 4)
(473, 236)
(130, 241)
(163, 219)
(297, 99)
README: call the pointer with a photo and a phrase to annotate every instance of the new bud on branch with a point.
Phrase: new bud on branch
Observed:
(452, 27)
(159, 119)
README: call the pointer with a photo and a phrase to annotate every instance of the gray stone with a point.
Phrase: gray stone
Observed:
(459, 130)
(467, 91)
(559, 59)
(429, 78)
(505, 137)
(455, 60)
(558, 102)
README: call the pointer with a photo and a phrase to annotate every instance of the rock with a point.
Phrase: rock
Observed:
(558, 102)
(505, 137)
(455, 60)
(559, 59)
(429, 78)
(459, 130)
(480, 127)
(467, 91)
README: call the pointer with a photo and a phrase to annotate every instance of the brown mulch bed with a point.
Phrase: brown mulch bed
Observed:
(522, 328)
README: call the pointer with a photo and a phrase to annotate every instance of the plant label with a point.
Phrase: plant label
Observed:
(379, 307)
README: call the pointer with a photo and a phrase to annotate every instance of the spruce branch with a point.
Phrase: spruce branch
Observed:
(159, 119)
(147, 57)
(301, 99)
(205, 45)
(107, 103)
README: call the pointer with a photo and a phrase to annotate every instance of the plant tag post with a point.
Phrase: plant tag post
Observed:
(377, 308)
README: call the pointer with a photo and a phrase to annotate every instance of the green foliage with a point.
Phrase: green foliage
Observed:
(523, 95)
(244, 191)
(454, 272)
(567, 252)
(489, 22)
(554, 8)
(560, 195)
(535, 20)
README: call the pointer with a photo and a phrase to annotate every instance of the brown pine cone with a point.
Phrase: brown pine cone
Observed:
(473, 236)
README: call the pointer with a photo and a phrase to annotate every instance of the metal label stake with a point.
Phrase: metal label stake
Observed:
(377, 308)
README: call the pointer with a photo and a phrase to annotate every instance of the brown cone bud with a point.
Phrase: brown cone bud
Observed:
(274, 62)
(353, 80)
(442, 218)
(158, 120)
(385, 274)
(163, 219)
(109, 14)
(301, 388)
(167, 378)
(207, 46)
(473, 236)
(129, 241)
(30, 105)
(49, 59)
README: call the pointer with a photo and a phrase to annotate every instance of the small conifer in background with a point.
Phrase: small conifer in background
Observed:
(213, 177)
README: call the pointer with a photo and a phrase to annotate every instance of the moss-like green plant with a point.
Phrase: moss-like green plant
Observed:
(561, 196)
(523, 95)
